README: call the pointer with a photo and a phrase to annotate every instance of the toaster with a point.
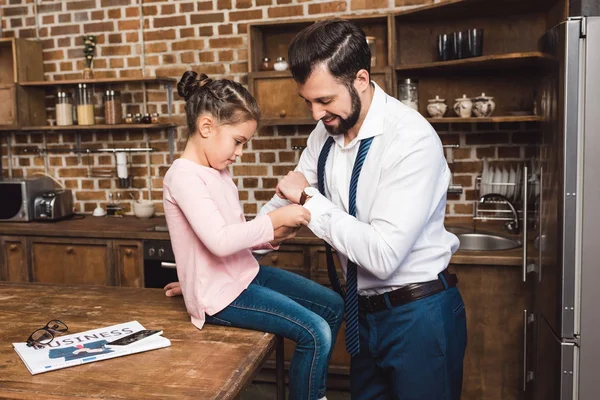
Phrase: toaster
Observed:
(53, 205)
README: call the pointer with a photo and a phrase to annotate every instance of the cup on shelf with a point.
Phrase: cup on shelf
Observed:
(475, 42)
(459, 44)
(445, 47)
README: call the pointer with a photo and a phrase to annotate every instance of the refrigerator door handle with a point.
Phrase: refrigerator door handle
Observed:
(527, 375)
(525, 195)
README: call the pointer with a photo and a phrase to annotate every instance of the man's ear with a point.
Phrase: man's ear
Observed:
(362, 81)
(205, 124)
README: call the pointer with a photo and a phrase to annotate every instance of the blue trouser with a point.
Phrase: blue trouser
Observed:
(412, 352)
(299, 309)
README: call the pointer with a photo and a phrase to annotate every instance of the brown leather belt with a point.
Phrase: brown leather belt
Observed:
(404, 295)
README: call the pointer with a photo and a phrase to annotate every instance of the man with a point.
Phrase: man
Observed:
(393, 233)
(380, 203)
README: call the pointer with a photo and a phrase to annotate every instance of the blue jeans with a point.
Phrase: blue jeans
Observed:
(412, 352)
(299, 309)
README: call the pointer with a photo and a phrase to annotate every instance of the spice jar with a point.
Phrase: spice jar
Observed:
(85, 105)
(154, 118)
(266, 65)
(408, 93)
(64, 109)
(146, 119)
(112, 107)
(372, 42)
(137, 118)
(129, 118)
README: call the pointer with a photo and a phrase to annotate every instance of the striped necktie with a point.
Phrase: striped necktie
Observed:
(351, 295)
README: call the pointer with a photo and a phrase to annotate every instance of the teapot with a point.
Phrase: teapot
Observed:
(463, 106)
(437, 107)
(483, 106)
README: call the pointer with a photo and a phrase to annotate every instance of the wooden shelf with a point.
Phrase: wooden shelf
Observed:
(474, 120)
(465, 9)
(287, 121)
(496, 61)
(88, 128)
(447, 120)
(288, 73)
(99, 81)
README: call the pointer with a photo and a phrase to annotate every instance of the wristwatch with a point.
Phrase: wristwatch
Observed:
(307, 193)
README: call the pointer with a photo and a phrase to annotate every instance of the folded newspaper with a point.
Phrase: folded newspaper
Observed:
(85, 347)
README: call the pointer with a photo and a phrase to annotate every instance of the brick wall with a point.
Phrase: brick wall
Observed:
(166, 38)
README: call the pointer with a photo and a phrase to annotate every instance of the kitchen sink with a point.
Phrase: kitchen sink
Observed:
(486, 242)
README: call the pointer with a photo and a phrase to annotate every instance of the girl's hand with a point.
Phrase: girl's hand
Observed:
(172, 289)
(282, 234)
(291, 216)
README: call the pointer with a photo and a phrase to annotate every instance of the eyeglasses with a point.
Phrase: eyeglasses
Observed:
(42, 336)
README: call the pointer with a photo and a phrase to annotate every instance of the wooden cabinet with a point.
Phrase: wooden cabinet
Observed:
(129, 263)
(14, 266)
(21, 61)
(71, 261)
(495, 299)
(276, 91)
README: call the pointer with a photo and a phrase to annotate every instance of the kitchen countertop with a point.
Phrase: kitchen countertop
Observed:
(130, 227)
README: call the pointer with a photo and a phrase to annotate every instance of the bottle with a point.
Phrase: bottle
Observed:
(112, 107)
(85, 105)
(64, 109)
(372, 42)
(266, 65)
(408, 93)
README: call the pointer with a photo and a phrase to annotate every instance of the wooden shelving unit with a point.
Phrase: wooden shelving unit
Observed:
(100, 81)
(499, 119)
(90, 128)
(487, 63)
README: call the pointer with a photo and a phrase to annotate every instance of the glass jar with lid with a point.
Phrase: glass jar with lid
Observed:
(408, 93)
(85, 104)
(64, 108)
(112, 107)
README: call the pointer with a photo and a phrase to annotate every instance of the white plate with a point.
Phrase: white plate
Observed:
(484, 188)
(519, 181)
(504, 180)
(512, 178)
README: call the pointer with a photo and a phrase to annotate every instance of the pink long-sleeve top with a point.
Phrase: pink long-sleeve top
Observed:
(211, 239)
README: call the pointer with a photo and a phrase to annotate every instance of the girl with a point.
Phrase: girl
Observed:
(220, 279)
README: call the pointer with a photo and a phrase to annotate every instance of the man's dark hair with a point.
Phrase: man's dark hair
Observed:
(339, 44)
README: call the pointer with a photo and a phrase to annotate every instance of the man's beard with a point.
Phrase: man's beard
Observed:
(346, 124)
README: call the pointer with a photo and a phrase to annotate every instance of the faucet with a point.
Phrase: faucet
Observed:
(512, 226)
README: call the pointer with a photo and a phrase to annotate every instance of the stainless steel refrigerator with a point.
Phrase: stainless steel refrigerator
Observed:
(562, 343)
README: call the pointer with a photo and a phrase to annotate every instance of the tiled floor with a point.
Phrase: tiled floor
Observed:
(266, 391)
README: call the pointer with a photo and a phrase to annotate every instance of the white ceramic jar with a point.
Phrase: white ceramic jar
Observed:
(483, 106)
(280, 64)
(463, 107)
(437, 107)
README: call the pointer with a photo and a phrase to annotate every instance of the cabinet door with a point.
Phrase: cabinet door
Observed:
(494, 298)
(13, 259)
(279, 101)
(129, 263)
(8, 98)
(72, 261)
(288, 257)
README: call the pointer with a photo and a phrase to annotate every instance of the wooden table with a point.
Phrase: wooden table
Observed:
(212, 363)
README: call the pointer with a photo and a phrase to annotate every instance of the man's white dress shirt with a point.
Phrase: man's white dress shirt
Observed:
(398, 235)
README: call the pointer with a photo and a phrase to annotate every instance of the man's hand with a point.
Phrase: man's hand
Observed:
(173, 289)
(291, 186)
(282, 234)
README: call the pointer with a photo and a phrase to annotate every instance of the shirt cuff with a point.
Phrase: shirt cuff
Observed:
(320, 214)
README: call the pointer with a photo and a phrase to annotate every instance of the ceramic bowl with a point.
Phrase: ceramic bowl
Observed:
(143, 209)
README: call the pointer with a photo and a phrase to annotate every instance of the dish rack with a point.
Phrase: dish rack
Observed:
(507, 201)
